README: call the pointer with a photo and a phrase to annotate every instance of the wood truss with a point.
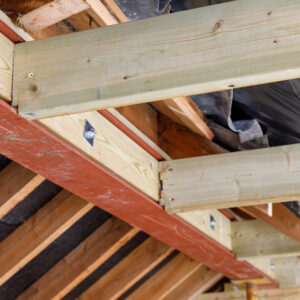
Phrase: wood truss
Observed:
(62, 81)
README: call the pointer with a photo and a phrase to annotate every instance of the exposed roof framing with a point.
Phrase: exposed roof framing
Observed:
(127, 162)
(144, 215)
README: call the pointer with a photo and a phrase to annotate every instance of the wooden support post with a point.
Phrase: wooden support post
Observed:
(39, 231)
(81, 262)
(176, 57)
(129, 271)
(251, 291)
(242, 178)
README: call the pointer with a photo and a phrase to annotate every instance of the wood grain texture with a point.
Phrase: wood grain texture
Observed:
(6, 68)
(166, 279)
(243, 178)
(220, 232)
(282, 219)
(112, 148)
(17, 183)
(39, 231)
(81, 261)
(253, 43)
(255, 239)
(277, 294)
(184, 111)
(197, 283)
(129, 271)
(50, 14)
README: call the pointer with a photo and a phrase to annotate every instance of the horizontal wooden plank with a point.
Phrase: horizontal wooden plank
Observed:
(112, 148)
(218, 47)
(129, 271)
(6, 68)
(39, 231)
(232, 179)
(277, 294)
(17, 183)
(81, 261)
(255, 239)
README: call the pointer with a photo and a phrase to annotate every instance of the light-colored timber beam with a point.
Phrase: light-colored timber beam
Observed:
(282, 294)
(253, 238)
(6, 68)
(129, 271)
(17, 183)
(39, 231)
(232, 179)
(81, 261)
(145, 60)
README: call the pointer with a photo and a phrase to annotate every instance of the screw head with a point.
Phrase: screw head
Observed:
(31, 75)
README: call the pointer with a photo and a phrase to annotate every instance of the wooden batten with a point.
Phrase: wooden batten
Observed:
(81, 261)
(38, 232)
(175, 58)
(232, 179)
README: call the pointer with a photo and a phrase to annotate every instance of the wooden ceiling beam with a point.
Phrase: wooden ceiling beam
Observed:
(159, 63)
(17, 183)
(129, 271)
(39, 231)
(243, 178)
(251, 239)
(81, 261)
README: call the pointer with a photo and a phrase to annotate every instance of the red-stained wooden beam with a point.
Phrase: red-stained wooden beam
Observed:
(39, 150)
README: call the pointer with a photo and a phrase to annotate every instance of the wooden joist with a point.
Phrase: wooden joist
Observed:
(51, 13)
(254, 43)
(129, 271)
(6, 68)
(282, 219)
(280, 294)
(39, 231)
(197, 283)
(242, 178)
(17, 183)
(255, 239)
(81, 262)
(167, 279)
